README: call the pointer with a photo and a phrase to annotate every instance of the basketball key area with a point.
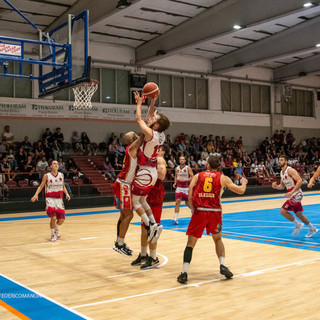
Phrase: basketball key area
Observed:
(80, 276)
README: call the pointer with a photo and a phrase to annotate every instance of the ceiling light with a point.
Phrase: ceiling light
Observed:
(122, 4)
(318, 45)
(308, 4)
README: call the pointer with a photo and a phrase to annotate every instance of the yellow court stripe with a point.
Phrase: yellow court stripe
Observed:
(14, 311)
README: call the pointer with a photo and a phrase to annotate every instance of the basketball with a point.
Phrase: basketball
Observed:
(150, 89)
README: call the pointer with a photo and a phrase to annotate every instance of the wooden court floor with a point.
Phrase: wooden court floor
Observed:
(84, 274)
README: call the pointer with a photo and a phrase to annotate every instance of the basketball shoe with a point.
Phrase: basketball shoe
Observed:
(183, 277)
(122, 249)
(53, 237)
(152, 228)
(175, 221)
(225, 271)
(311, 232)
(139, 260)
(150, 263)
(297, 229)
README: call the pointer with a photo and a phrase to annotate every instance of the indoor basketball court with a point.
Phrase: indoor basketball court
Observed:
(75, 66)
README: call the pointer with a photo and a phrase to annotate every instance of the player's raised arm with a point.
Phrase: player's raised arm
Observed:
(143, 126)
(314, 177)
(151, 109)
(43, 183)
(227, 182)
(136, 145)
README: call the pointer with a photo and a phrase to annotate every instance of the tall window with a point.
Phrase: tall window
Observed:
(301, 103)
(244, 97)
(181, 92)
(16, 87)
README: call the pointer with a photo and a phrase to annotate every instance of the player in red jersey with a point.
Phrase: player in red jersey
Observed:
(122, 190)
(155, 200)
(54, 186)
(204, 196)
(291, 180)
(146, 175)
(182, 178)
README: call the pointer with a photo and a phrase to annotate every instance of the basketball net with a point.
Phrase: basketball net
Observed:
(83, 94)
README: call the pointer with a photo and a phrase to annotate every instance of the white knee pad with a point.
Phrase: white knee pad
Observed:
(144, 203)
(135, 201)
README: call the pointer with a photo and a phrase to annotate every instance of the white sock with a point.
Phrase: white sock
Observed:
(310, 226)
(117, 239)
(145, 219)
(144, 251)
(120, 241)
(56, 228)
(222, 260)
(52, 231)
(151, 218)
(153, 254)
(176, 215)
(296, 222)
(185, 267)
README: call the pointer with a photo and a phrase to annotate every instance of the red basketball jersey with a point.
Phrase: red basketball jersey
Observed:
(129, 167)
(207, 191)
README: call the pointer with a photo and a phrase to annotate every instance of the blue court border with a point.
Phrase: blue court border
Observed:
(32, 304)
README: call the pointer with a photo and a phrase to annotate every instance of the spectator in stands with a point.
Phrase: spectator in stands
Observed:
(48, 135)
(7, 137)
(121, 139)
(111, 138)
(117, 166)
(11, 159)
(290, 138)
(246, 159)
(276, 138)
(29, 167)
(72, 169)
(202, 163)
(47, 149)
(5, 193)
(62, 167)
(254, 168)
(238, 173)
(113, 150)
(262, 171)
(172, 162)
(229, 166)
(26, 144)
(5, 168)
(3, 148)
(38, 150)
(56, 151)
(193, 164)
(108, 169)
(121, 153)
(42, 164)
(59, 136)
(210, 147)
(76, 142)
(21, 158)
(86, 144)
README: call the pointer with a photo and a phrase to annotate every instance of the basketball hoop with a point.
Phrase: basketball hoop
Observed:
(83, 94)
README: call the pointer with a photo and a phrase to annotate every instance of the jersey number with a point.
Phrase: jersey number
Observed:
(207, 187)
(156, 151)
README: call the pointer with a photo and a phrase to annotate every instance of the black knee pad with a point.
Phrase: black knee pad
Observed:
(187, 254)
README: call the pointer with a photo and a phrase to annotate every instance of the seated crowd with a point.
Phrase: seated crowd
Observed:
(31, 159)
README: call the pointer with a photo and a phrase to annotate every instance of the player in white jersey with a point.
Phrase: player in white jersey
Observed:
(291, 180)
(54, 190)
(146, 175)
(182, 178)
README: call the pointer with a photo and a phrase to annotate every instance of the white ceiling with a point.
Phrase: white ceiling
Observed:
(148, 24)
